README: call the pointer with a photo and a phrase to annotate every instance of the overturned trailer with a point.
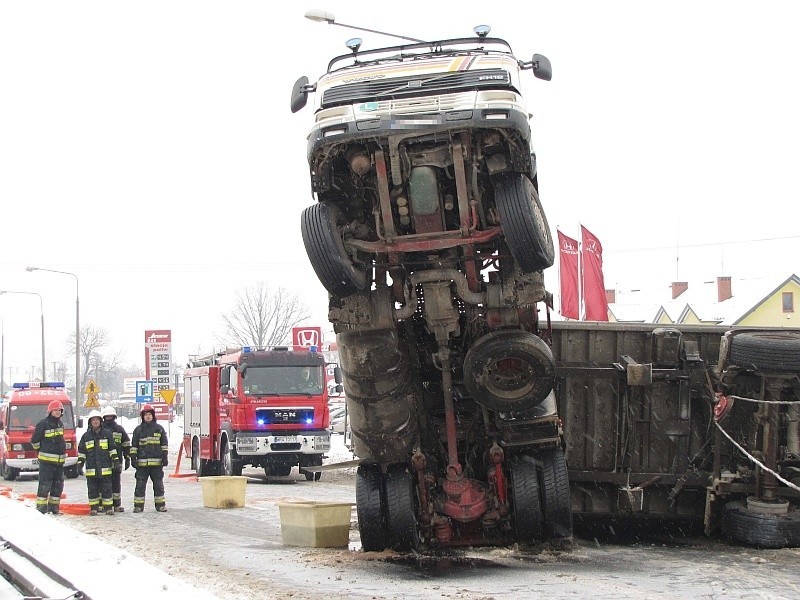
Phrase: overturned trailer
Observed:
(683, 423)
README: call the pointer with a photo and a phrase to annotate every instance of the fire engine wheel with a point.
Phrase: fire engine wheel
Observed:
(401, 510)
(509, 370)
(228, 465)
(9, 473)
(71, 472)
(325, 248)
(556, 507)
(777, 351)
(524, 223)
(370, 505)
(761, 530)
(278, 470)
(525, 501)
(312, 476)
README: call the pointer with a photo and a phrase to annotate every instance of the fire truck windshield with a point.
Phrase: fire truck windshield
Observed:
(283, 380)
(22, 417)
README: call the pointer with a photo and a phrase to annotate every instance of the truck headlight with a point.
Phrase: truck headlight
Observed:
(17, 447)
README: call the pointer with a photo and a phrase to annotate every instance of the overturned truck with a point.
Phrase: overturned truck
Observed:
(430, 238)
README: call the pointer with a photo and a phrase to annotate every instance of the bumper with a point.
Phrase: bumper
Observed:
(308, 442)
(32, 464)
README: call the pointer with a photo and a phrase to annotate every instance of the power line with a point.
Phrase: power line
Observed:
(704, 244)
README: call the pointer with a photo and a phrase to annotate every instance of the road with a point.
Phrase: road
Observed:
(237, 553)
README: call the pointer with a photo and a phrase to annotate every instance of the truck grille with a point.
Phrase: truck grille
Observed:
(298, 416)
(419, 85)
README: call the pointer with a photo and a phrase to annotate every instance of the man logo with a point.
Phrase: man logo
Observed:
(308, 337)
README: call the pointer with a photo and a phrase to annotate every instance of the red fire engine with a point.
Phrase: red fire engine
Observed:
(257, 406)
(25, 407)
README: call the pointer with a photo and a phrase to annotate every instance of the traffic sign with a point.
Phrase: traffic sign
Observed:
(144, 391)
(91, 387)
(167, 395)
(91, 401)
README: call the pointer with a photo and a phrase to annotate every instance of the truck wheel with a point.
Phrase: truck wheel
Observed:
(509, 370)
(278, 470)
(370, 505)
(761, 530)
(312, 476)
(71, 472)
(401, 510)
(228, 465)
(555, 495)
(9, 473)
(776, 351)
(525, 502)
(319, 226)
(524, 223)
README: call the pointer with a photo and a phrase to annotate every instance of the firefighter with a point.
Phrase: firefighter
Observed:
(149, 449)
(123, 443)
(98, 450)
(48, 441)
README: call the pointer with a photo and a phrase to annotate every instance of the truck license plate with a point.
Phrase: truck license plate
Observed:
(285, 439)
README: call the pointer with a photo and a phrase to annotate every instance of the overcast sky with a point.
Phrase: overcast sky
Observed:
(148, 147)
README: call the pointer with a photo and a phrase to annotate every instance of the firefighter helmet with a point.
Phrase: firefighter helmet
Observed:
(147, 408)
(108, 411)
(92, 415)
(54, 405)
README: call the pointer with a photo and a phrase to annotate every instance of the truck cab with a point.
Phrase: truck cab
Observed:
(25, 407)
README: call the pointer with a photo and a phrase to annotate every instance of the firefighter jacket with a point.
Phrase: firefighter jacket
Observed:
(121, 438)
(98, 450)
(149, 445)
(48, 440)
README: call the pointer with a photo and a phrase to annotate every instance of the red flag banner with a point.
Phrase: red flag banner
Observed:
(568, 274)
(594, 289)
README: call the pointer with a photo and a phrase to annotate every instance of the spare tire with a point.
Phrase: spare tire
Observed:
(524, 222)
(775, 351)
(319, 225)
(509, 371)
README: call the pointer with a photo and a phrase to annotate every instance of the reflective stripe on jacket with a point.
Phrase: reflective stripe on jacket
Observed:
(98, 450)
(149, 445)
(48, 440)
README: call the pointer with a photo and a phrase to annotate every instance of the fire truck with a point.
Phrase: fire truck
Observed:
(25, 407)
(265, 407)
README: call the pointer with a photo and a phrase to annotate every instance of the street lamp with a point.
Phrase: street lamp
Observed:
(41, 309)
(321, 16)
(77, 328)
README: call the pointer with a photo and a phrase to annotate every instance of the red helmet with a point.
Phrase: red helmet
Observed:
(147, 408)
(54, 405)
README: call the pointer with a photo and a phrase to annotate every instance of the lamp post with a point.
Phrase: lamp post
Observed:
(41, 309)
(321, 16)
(77, 328)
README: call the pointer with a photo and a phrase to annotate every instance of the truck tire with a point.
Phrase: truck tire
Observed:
(278, 470)
(524, 222)
(509, 370)
(371, 508)
(228, 465)
(319, 225)
(525, 502)
(761, 530)
(775, 351)
(9, 473)
(401, 509)
(556, 507)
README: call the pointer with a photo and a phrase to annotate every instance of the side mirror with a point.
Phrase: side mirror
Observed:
(299, 94)
(224, 389)
(337, 375)
(224, 377)
(339, 388)
(541, 67)
(80, 422)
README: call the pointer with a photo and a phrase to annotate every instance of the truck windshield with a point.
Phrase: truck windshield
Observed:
(23, 417)
(283, 380)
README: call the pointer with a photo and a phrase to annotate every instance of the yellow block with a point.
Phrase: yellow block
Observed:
(223, 491)
(315, 524)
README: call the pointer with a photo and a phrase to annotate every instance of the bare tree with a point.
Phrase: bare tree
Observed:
(262, 317)
(93, 362)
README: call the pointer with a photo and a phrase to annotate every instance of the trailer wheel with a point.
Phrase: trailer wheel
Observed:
(761, 530)
(509, 370)
(370, 505)
(319, 225)
(401, 510)
(555, 495)
(777, 351)
(525, 502)
(524, 223)
(9, 473)
(71, 472)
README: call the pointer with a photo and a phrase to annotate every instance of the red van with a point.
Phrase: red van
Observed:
(25, 407)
